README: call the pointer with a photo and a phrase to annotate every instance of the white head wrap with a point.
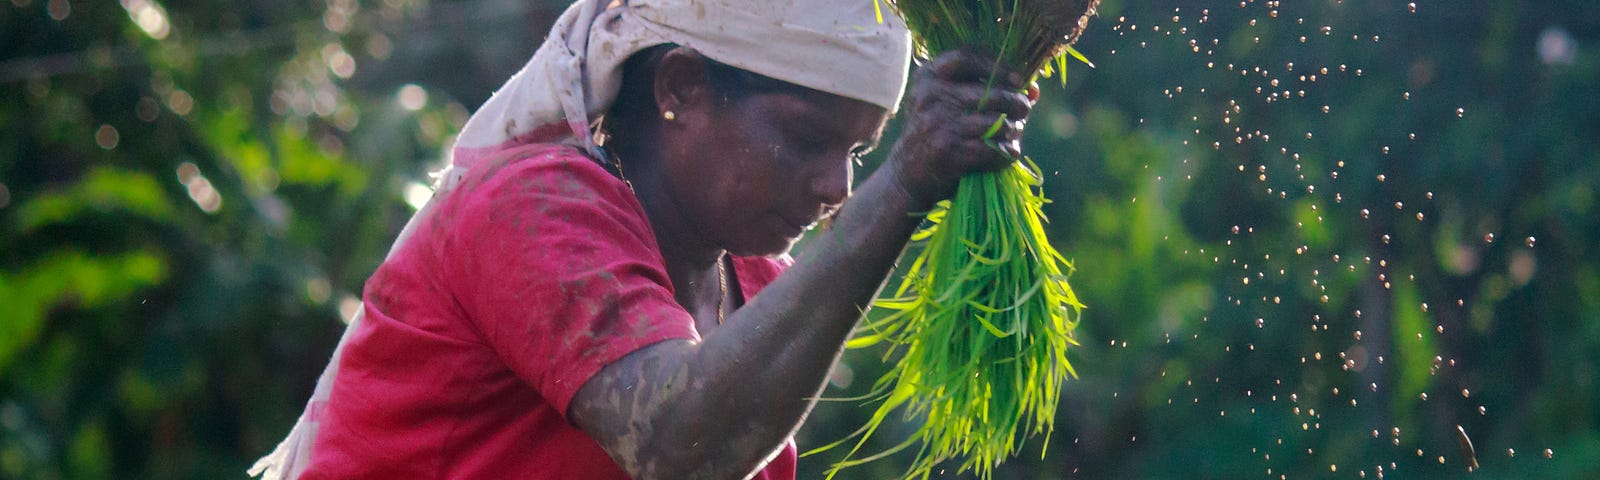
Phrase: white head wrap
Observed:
(834, 46)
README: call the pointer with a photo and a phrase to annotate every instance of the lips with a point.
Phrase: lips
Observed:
(794, 228)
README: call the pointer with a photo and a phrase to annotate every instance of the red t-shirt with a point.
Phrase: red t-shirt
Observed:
(536, 273)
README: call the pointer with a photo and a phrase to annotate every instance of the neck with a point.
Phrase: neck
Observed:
(689, 256)
(691, 259)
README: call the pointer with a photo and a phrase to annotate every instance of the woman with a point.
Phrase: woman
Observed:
(580, 299)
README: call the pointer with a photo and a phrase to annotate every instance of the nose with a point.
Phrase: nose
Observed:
(832, 185)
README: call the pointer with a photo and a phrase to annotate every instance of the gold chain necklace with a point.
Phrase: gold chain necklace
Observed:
(722, 285)
(722, 274)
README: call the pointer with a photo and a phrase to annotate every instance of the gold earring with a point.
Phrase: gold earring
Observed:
(669, 116)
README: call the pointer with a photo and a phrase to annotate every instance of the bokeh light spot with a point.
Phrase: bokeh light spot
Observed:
(107, 137)
(200, 189)
(149, 16)
(412, 97)
(59, 9)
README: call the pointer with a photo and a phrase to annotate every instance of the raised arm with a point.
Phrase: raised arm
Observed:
(722, 407)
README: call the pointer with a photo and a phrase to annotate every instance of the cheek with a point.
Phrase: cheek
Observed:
(749, 189)
(729, 190)
(753, 174)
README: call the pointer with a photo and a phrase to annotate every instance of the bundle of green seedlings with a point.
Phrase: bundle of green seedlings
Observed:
(984, 316)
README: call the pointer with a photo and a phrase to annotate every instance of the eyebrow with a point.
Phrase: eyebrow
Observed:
(815, 120)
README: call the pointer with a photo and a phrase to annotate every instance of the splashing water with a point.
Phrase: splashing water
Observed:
(1331, 228)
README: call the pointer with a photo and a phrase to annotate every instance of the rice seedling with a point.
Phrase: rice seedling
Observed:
(983, 319)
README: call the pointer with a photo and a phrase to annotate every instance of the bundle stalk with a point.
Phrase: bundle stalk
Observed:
(984, 317)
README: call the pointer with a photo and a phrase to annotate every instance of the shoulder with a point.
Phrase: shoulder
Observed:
(545, 169)
(544, 182)
(544, 205)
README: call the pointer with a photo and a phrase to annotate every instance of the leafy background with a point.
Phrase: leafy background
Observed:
(1285, 266)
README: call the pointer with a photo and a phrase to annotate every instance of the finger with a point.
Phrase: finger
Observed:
(960, 66)
(990, 127)
(1014, 104)
(979, 138)
(971, 64)
(976, 154)
(995, 155)
(992, 69)
(1008, 138)
(974, 98)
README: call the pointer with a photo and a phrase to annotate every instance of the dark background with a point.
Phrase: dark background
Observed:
(1290, 272)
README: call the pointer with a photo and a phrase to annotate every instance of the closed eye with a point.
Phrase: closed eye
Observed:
(860, 151)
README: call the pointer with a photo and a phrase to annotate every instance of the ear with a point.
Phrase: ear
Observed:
(681, 84)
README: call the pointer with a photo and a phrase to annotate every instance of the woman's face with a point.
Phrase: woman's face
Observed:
(764, 168)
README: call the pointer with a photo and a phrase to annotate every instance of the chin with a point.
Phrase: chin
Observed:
(766, 247)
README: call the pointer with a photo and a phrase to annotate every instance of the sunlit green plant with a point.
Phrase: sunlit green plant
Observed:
(984, 316)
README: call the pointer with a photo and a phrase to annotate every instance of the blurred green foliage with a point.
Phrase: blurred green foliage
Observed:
(1280, 261)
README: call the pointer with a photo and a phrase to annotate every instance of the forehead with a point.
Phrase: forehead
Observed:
(829, 114)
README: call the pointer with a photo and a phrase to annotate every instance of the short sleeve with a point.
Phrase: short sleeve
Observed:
(559, 271)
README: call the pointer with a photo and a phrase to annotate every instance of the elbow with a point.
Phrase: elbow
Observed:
(691, 454)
